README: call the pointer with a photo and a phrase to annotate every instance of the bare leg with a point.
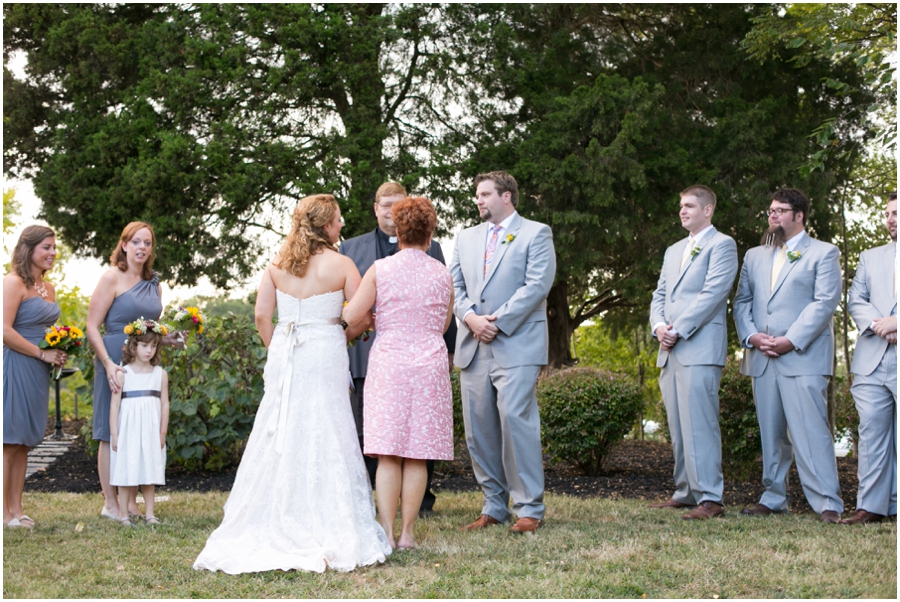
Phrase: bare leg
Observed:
(387, 492)
(15, 464)
(149, 493)
(124, 492)
(133, 508)
(415, 476)
(109, 492)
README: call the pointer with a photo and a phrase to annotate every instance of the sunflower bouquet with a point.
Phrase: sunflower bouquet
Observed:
(65, 338)
(188, 319)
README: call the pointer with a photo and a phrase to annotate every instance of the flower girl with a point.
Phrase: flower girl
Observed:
(139, 418)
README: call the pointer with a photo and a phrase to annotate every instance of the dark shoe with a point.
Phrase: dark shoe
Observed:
(670, 503)
(830, 516)
(526, 525)
(426, 513)
(484, 521)
(705, 510)
(892, 518)
(757, 510)
(862, 518)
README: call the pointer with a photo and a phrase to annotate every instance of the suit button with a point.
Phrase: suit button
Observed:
(770, 313)
(482, 300)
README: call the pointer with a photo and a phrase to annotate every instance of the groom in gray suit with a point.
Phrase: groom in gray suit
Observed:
(784, 307)
(687, 315)
(502, 272)
(873, 305)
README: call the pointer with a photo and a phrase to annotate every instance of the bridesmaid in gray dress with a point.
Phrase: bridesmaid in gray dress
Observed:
(29, 308)
(129, 290)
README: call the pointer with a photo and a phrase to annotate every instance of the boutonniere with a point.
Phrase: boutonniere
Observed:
(694, 252)
(508, 239)
(794, 256)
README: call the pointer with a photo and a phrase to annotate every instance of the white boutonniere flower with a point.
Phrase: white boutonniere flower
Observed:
(794, 256)
(694, 252)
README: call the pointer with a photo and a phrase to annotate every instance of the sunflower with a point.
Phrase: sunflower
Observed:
(52, 338)
(75, 333)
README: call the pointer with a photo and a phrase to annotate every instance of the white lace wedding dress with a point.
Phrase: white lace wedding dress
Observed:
(301, 498)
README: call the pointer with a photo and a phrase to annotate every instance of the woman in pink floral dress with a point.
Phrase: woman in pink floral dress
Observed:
(408, 416)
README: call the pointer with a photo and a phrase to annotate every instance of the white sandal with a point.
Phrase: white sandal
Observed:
(105, 513)
(17, 523)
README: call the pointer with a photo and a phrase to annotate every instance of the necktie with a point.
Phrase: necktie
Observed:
(687, 252)
(780, 258)
(491, 247)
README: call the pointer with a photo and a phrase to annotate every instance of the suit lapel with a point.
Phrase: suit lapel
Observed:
(788, 267)
(476, 258)
(500, 251)
(698, 243)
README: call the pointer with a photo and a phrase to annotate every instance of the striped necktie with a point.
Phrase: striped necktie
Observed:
(491, 247)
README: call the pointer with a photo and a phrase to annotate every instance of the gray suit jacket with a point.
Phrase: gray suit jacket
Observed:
(694, 299)
(363, 250)
(801, 307)
(872, 296)
(515, 290)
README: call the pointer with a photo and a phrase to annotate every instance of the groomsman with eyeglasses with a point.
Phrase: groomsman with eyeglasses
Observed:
(873, 306)
(788, 291)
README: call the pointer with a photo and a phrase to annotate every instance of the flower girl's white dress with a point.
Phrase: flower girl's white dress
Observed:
(301, 498)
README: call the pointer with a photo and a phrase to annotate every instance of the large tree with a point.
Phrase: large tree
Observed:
(211, 120)
(619, 107)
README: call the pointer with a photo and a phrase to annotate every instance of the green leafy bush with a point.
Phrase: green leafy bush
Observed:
(459, 428)
(585, 413)
(215, 386)
(846, 418)
(741, 445)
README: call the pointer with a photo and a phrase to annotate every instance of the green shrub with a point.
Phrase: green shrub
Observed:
(846, 418)
(741, 445)
(585, 413)
(215, 386)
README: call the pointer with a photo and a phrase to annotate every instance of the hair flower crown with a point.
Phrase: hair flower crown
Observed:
(141, 326)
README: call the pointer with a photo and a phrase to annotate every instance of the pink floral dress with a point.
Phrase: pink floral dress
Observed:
(409, 409)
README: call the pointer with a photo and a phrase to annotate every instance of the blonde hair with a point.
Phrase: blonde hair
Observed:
(120, 259)
(307, 236)
(20, 263)
(389, 189)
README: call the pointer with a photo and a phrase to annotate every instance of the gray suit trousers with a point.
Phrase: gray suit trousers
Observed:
(691, 397)
(503, 434)
(793, 419)
(876, 402)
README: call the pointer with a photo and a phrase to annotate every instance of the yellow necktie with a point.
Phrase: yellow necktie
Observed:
(687, 252)
(780, 258)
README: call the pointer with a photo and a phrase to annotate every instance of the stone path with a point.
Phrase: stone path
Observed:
(44, 454)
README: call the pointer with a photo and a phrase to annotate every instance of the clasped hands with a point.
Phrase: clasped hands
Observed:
(482, 327)
(667, 338)
(886, 328)
(771, 346)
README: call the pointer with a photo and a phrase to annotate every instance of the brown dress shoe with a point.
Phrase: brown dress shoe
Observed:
(484, 521)
(830, 516)
(757, 510)
(526, 525)
(705, 510)
(670, 503)
(862, 518)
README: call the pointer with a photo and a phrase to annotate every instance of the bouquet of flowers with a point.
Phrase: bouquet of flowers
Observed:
(142, 326)
(65, 338)
(363, 336)
(187, 319)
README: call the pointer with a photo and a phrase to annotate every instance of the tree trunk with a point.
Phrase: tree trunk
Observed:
(559, 324)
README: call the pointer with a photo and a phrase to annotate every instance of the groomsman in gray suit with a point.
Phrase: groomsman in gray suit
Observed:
(687, 315)
(873, 305)
(784, 307)
(502, 272)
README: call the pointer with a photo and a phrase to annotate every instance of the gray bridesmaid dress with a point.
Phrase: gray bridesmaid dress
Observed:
(26, 380)
(140, 301)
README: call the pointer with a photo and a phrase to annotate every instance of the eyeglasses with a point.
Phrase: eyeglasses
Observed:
(779, 211)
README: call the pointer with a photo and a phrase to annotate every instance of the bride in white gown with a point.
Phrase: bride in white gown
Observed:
(302, 498)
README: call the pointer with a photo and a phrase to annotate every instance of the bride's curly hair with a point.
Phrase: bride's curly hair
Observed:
(307, 236)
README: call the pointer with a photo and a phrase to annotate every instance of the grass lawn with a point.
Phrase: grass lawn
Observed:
(592, 548)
